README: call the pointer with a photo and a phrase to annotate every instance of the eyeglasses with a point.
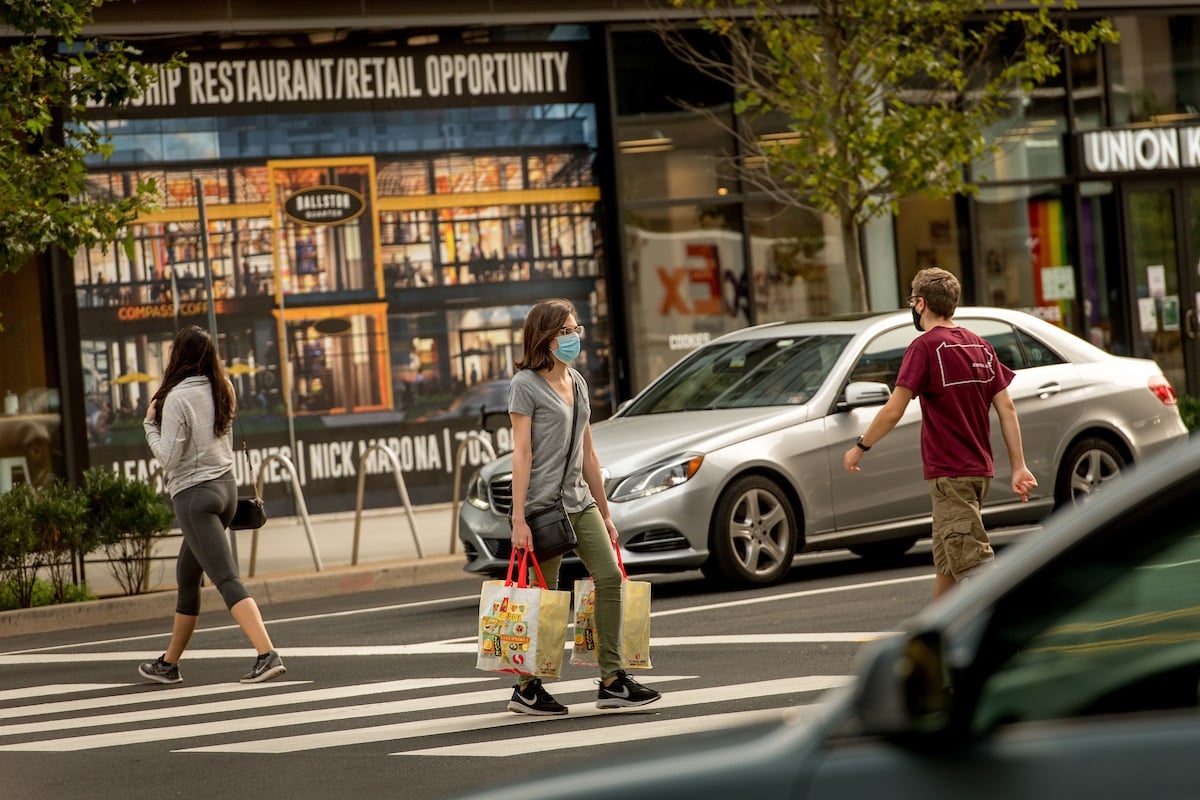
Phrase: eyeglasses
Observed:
(568, 331)
(912, 299)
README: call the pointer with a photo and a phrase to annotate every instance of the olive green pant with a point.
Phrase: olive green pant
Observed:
(596, 552)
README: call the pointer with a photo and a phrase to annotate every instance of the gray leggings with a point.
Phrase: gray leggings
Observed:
(204, 511)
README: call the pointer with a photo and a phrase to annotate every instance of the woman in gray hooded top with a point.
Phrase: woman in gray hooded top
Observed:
(189, 429)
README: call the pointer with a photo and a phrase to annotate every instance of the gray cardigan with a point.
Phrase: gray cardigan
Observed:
(185, 446)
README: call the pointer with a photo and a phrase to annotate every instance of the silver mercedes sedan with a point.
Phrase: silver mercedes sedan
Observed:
(731, 461)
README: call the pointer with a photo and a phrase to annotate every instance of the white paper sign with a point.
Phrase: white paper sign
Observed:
(1156, 279)
(1058, 283)
(1147, 315)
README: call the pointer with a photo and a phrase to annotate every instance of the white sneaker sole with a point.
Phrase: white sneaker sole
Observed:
(620, 702)
(150, 676)
(521, 708)
(273, 672)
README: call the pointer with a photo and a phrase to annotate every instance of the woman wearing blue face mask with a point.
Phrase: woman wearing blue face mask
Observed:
(541, 405)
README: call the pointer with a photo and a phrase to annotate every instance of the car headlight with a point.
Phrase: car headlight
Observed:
(477, 491)
(656, 478)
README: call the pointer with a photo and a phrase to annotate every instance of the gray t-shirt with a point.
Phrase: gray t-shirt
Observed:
(550, 432)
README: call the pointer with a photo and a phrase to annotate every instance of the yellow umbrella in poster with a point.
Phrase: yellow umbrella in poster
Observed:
(242, 369)
(134, 377)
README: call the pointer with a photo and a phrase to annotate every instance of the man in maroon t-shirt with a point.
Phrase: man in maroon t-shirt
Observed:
(959, 379)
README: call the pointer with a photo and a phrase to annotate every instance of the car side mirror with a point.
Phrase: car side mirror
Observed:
(492, 421)
(904, 690)
(866, 393)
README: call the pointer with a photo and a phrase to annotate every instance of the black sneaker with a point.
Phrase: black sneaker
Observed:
(267, 666)
(160, 671)
(535, 700)
(625, 692)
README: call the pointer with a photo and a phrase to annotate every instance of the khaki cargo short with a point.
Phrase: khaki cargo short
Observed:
(960, 543)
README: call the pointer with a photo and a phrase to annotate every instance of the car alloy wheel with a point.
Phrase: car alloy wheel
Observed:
(754, 532)
(1088, 465)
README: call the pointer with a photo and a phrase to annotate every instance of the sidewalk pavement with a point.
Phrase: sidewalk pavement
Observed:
(284, 568)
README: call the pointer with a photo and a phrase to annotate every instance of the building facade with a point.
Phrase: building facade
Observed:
(385, 193)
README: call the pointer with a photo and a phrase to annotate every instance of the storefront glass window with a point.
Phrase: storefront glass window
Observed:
(1155, 69)
(927, 235)
(1088, 98)
(1100, 262)
(31, 440)
(796, 263)
(1024, 252)
(227, 138)
(664, 150)
(686, 282)
(1029, 138)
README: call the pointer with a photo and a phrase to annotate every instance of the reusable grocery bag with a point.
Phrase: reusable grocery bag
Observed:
(522, 628)
(635, 623)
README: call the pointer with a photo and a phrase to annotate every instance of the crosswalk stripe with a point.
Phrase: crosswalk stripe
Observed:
(433, 727)
(636, 731)
(171, 732)
(449, 647)
(240, 704)
(147, 693)
(59, 688)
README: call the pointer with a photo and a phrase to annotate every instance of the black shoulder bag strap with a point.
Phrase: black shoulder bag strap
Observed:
(574, 422)
(246, 453)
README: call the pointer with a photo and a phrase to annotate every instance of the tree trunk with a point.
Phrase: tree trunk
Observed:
(852, 251)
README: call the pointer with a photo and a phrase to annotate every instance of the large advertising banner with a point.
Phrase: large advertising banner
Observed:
(388, 78)
(330, 356)
(371, 260)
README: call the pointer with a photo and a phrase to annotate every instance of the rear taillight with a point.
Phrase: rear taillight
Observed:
(1162, 390)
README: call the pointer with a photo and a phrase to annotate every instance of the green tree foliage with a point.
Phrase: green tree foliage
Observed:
(1189, 410)
(20, 556)
(127, 517)
(878, 99)
(48, 76)
(60, 530)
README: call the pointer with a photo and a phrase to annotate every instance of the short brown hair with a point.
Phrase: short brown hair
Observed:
(542, 324)
(939, 288)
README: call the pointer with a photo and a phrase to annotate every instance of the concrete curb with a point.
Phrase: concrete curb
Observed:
(266, 589)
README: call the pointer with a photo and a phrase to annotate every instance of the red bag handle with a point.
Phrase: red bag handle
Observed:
(512, 557)
(620, 561)
(523, 570)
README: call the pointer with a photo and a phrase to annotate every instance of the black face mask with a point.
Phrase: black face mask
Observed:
(917, 319)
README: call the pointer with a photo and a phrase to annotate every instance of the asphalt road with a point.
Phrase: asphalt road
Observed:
(382, 698)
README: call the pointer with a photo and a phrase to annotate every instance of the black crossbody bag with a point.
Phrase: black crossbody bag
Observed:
(553, 534)
(251, 514)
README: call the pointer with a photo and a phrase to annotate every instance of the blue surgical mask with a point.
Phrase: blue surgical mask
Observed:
(568, 348)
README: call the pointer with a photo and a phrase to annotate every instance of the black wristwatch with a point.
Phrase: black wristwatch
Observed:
(859, 444)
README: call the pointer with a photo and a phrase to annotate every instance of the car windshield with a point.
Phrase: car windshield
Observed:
(741, 374)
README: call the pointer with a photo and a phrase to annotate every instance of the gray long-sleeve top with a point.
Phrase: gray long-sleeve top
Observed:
(185, 445)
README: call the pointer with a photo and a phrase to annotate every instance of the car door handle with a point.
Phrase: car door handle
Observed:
(1049, 390)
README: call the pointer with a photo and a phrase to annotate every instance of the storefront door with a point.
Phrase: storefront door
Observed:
(1163, 224)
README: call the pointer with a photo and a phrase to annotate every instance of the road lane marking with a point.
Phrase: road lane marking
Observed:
(239, 704)
(747, 601)
(272, 721)
(631, 732)
(145, 693)
(465, 645)
(474, 598)
(464, 724)
(56, 688)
